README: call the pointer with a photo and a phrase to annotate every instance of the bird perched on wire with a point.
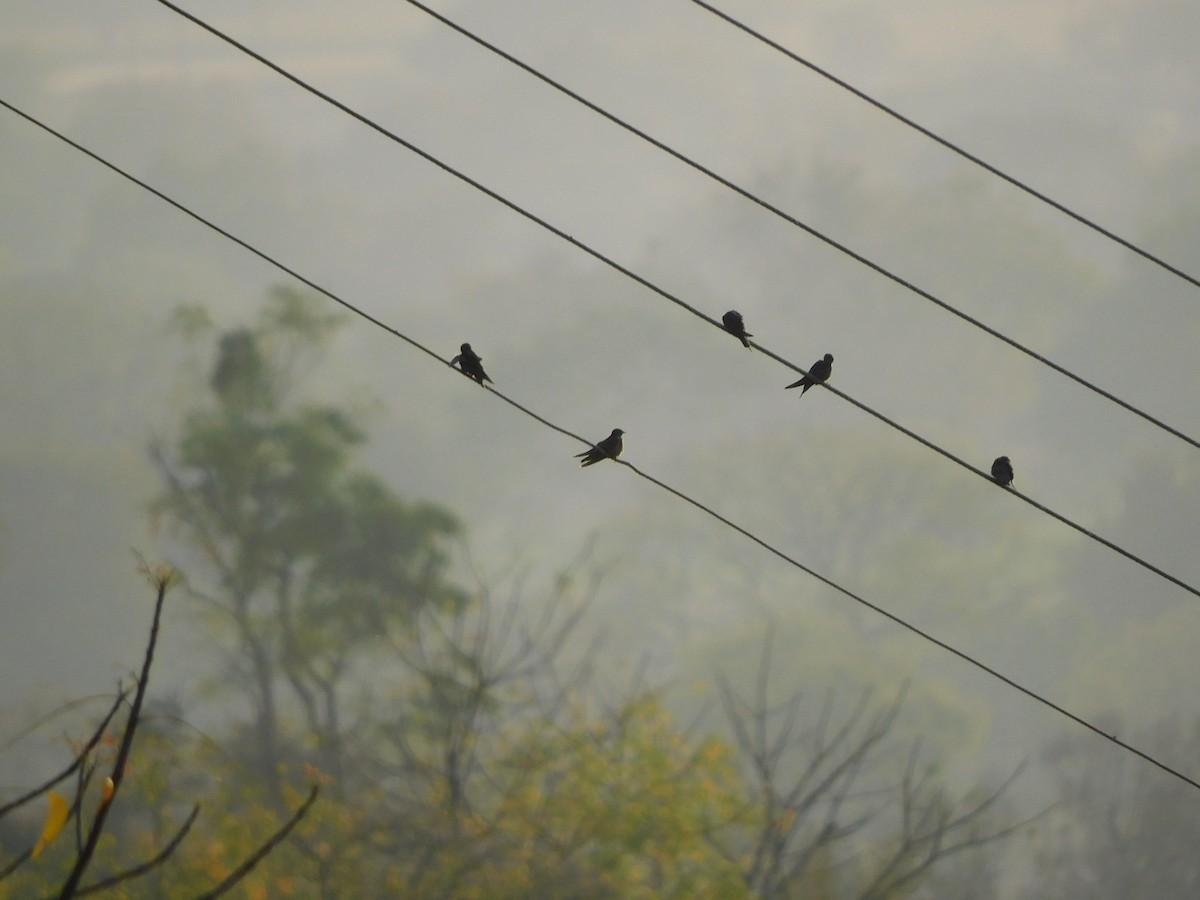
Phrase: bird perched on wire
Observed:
(471, 365)
(609, 448)
(818, 373)
(735, 325)
(1002, 471)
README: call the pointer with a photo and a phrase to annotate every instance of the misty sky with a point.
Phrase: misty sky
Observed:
(1092, 103)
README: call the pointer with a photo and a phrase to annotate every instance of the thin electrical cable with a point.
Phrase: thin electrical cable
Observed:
(245, 245)
(729, 523)
(662, 292)
(798, 223)
(950, 145)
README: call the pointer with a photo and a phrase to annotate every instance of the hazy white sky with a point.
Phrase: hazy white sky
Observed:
(1093, 103)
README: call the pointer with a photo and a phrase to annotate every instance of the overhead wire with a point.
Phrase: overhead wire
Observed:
(651, 286)
(799, 223)
(775, 551)
(950, 145)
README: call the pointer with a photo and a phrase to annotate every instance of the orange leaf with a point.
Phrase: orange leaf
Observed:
(106, 793)
(56, 818)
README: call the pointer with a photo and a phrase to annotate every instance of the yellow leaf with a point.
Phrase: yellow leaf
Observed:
(56, 818)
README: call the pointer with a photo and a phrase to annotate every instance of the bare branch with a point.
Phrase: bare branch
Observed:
(261, 853)
(139, 870)
(16, 863)
(118, 771)
(78, 761)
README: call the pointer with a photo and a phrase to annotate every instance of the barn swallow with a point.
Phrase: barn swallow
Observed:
(818, 373)
(609, 448)
(470, 364)
(1002, 471)
(736, 326)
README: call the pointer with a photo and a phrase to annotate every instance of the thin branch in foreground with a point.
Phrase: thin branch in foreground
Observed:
(15, 864)
(75, 764)
(244, 869)
(163, 579)
(70, 706)
(149, 864)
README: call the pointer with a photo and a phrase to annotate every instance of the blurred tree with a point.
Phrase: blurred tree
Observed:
(1121, 827)
(830, 797)
(310, 558)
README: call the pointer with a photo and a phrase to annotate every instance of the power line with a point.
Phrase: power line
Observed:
(649, 285)
(729, 523)
(793, 220)
(950, 145)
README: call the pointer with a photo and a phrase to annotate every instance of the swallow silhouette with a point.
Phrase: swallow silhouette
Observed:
(818, 373)
(609, 448)
(734, 324)
(470, 364)
(1002, 471)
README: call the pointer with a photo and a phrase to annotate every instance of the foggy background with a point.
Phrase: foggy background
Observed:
(1092, 103)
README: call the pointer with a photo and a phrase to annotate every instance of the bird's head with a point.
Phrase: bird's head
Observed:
(617, 432)
(465, 348)
(828, 357)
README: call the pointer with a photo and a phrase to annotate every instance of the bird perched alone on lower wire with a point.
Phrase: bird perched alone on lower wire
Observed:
(1002, 471)
(471, 365)
(818, 373)
(609, 448)
(734, 324)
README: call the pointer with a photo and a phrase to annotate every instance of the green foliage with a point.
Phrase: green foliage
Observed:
(311, 558)
(600, 806)
(617, 806)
